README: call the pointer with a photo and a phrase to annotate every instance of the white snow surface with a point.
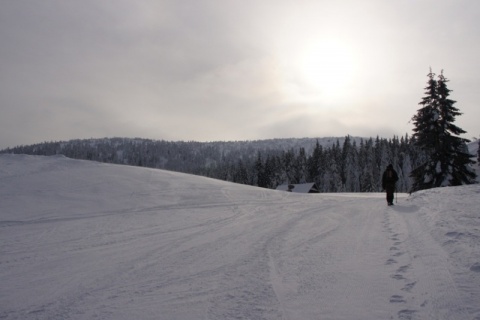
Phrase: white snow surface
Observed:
(85, 240)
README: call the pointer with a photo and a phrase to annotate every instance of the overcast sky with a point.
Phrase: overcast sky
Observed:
(211, 70)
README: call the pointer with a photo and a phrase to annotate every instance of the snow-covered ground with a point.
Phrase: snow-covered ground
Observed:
(84, 240)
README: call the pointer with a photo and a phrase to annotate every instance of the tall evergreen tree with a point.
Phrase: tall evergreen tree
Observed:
(425, 136)
(300, 166)
(262, 178)
(447, 162)
(313, 163)
(478, 153)
(455, 159)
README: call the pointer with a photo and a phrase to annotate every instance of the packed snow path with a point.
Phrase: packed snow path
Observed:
(83, 240)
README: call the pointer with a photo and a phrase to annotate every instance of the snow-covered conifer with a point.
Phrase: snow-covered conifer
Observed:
(478, 153)
(447, 162)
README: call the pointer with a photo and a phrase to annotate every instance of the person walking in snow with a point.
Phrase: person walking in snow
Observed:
(389, 179)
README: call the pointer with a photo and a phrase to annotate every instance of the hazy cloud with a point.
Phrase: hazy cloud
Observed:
(227, 70)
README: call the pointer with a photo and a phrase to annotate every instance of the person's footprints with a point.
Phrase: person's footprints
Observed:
(398, 254)
(390, 261)
(406, 314)
(403, 269)
(475, 267)
(409, 286)
(455, 235)
(397, 299)
(398, 277)
(393, 249)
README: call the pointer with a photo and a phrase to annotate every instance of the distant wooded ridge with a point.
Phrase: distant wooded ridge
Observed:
(348, 164)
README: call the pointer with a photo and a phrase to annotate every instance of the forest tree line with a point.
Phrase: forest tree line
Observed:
(435, 156)
(336, 165)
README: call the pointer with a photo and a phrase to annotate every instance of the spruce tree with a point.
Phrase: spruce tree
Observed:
(447, 160)
(260, 171)
(478, 153)
(455, 159)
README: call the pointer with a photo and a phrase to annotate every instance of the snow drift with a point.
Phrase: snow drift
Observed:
(84, 240)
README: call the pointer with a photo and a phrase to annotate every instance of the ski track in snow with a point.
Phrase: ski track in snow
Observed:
(83, 240)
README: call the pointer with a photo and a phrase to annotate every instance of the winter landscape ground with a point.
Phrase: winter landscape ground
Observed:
(85, 240)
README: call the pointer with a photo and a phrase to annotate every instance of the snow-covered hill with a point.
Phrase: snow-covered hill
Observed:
(84, 240)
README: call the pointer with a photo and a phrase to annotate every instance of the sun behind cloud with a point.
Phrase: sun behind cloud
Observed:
(327, 67)
(321, 72)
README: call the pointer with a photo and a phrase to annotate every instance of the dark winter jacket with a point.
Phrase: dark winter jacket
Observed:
(389, 178)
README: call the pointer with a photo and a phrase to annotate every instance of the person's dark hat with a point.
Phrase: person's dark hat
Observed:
(390, 166)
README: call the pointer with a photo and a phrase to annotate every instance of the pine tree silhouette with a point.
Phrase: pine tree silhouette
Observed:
(448, 162)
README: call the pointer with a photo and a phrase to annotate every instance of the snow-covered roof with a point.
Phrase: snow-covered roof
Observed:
(310, 187)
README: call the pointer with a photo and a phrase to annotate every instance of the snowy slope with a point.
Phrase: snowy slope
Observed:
(84, 240)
